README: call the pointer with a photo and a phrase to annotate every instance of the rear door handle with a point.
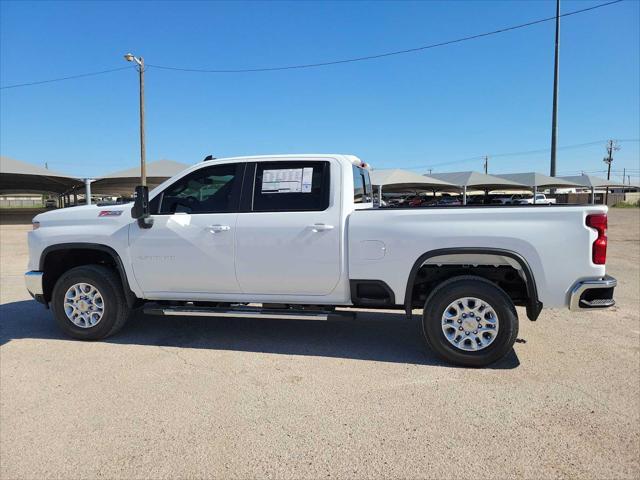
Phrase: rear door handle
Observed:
(218, 228)
(320, 227)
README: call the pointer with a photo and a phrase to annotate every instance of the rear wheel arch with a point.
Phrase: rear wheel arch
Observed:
(533, 305)
(57, 259)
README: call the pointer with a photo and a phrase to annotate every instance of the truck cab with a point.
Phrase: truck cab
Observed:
(248, 230)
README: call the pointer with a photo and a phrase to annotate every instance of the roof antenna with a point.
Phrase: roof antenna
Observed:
(209, 157)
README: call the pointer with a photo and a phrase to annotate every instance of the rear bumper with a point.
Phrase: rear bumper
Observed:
(596, 293)
(33, 281)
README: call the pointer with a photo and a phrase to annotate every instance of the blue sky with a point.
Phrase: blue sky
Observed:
(434, 109)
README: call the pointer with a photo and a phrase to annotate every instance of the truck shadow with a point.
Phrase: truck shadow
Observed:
(383, 337)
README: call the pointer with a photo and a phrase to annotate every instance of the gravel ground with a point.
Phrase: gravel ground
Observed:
(177, 398)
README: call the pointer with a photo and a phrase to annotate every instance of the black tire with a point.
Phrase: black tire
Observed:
(116, 310)
(469, 286)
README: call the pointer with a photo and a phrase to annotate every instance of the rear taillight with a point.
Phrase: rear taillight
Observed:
(35, 225)
(599, 250)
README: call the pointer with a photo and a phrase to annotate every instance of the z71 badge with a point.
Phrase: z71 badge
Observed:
(110, 213)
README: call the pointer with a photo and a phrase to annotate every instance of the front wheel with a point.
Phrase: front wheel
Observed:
(470, 321)
(88, 302)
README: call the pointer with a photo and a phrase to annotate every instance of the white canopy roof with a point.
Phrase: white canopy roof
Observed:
(22, 177)
(124, 181)
(158, 168)
(534, 179)
(397, 179)
(591, 181)
(479, 180)
(10, 165)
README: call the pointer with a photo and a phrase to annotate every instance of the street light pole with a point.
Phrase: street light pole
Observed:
(554, 118)
(143, 154)
(141, 210)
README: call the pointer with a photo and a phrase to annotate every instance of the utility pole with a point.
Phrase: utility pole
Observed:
(141, 205)
(554, 118)
(486, 172)
(143, 155)
(612, 146)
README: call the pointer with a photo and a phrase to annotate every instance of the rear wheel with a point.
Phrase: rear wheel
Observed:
(88, 302)
(470, 321)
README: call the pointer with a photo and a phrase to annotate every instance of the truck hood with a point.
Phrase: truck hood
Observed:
(85, 214)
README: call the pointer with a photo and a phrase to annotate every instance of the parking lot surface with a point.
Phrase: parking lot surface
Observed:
(233, 398)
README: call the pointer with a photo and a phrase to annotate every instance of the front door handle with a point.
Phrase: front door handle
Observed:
(320, 227)
(218, 228)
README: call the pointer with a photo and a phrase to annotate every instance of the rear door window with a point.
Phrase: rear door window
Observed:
(291, 186)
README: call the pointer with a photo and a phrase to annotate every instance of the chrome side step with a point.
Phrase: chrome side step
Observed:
(246, 312)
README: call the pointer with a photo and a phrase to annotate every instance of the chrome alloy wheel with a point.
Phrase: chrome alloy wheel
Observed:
(83, 305)
(470, 324)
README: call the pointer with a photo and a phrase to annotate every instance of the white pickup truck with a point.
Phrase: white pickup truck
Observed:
(541, 199)
(518, 199)
(298, 236)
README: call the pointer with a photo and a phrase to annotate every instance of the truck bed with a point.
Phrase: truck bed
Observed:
(390, 240)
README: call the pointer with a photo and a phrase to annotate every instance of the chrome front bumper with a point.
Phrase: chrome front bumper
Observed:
(597, 293)
(33, 281)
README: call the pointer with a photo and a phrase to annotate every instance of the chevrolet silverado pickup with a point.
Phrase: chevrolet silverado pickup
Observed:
(297, 236)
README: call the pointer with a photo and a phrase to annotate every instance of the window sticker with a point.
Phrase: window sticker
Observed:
(287, 180)
(307, 177)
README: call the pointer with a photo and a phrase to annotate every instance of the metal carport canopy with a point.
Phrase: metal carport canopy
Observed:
(396, 179)
(21, 177)
(480, 181)
(125, 181)
(533, 180)
(591, 183)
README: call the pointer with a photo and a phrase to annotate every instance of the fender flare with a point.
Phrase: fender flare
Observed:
(534, 306)
(129, 294)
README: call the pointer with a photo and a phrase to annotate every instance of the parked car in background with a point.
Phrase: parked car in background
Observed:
(541, 199)
(479, 199)
(506, 199)
(415, 201)
(449, 202)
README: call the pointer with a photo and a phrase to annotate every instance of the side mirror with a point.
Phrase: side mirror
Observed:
(140, 209)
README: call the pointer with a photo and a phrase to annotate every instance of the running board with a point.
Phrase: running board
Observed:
(246, 312)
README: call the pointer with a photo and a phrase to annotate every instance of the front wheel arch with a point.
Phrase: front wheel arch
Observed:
(57, 259)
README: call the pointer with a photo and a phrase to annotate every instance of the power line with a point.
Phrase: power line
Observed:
(387, 54)
(566, 147)
(321, 64)
(634, 173)
(515, 154)
(81, 75)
